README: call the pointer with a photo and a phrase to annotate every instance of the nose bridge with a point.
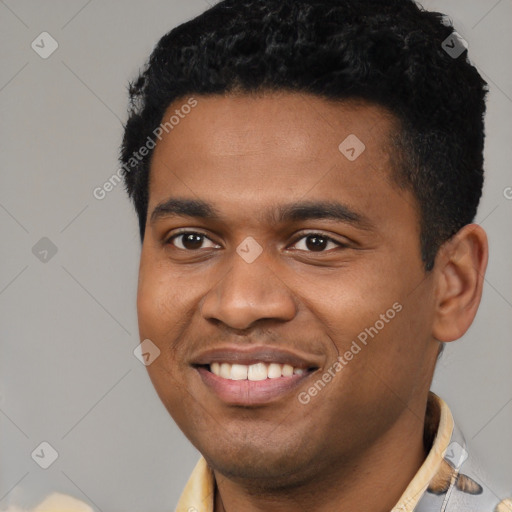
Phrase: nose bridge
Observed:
(250, 290)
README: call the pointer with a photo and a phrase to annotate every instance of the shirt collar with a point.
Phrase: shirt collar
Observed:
(439, 427)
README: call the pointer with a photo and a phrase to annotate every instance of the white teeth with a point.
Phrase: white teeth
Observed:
(254, 372)
(257, 371)
(238, 372)
(274, 371)
(225, 371)
(287, 370)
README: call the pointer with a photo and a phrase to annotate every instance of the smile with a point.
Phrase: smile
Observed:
(249, 376)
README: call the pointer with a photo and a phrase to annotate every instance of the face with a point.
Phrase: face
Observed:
(281, 280)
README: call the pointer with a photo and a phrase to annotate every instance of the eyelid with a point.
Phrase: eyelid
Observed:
(182, 231)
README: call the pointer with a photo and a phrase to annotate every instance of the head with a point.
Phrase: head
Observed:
(344, 145)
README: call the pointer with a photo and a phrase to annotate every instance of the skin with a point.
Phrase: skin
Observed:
(245, 154)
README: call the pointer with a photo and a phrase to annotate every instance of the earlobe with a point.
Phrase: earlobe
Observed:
(460, 268)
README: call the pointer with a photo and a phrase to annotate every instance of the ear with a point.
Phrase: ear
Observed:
(459, 273)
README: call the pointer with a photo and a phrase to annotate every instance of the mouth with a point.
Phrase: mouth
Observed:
(255, 377)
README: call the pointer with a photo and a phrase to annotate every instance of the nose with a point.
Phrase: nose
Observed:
(249, 292)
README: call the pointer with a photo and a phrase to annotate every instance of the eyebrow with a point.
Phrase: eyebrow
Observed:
(298, 211)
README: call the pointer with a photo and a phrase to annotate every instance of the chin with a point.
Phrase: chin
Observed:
(269, 463)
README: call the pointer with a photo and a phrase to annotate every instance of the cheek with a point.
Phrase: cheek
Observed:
(164, 313)
(372, 317)
(159, 300)
(356, 298)
(149, 305)
(395, 357)
(160, 320)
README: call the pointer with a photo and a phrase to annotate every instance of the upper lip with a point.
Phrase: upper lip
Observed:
(257, 354)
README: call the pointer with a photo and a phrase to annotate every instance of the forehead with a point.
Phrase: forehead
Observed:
(303, 125)
(248, 150)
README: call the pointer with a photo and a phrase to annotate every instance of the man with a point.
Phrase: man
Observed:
(305, 202)
(306, 174)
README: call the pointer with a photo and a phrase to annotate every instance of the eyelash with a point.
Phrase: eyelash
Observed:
(317, 233)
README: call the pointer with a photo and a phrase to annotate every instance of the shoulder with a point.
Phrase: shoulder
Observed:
(57, 502)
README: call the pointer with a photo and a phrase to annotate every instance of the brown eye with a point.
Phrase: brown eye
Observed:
(317, 242)
(189, 241)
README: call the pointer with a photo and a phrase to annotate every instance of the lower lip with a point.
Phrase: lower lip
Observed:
(249, 392)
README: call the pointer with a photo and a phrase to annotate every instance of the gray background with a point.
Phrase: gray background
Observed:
(68, 325)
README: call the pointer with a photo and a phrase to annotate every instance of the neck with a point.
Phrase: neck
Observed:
(372, 480)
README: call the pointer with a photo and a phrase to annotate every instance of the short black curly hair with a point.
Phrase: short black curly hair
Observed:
(387, 53)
